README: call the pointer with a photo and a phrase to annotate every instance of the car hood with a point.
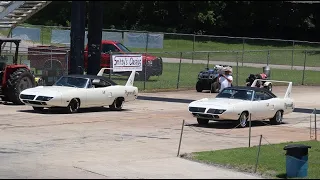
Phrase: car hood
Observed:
(47, 90)
(222, 103)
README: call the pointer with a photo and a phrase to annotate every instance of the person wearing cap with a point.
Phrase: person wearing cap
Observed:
(225, 79)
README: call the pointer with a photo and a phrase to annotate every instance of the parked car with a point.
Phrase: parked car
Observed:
(209, 79)
(51, 62)
(237, 103)
(151, 65)
(81, 91)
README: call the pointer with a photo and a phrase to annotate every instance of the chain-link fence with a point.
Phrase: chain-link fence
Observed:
(263, 145)
(176, 71)
(160, 41)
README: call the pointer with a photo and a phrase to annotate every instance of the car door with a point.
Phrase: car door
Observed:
(93, 96)
(260, 106)
(271, 105)
(102, 88)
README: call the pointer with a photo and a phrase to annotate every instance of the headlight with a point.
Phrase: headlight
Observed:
(44, 98)
(216, 111)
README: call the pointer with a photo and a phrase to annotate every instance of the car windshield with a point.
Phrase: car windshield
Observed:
(123, 48)
(72, 82)
(236, 94)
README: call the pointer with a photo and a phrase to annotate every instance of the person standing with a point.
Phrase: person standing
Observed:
(225, 79)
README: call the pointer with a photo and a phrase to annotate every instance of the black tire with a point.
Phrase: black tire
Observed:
(277, 118)
(243, 119)
(199, 86)
(215, 87)
(73, 106)
(37, 109)
(117, 104)
(202, 121)
(18, 81)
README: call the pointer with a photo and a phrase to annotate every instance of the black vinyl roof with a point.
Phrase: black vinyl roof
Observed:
(256, 89)
(91, 77)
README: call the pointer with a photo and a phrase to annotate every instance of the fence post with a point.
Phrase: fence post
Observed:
(250, 130)
(180, 138)
(194, 39)
(292, 55)
(11, 42)
(255, 169)
(208, 59)
(111, 64)
(268, 56)
(310, 127)
(147, 42)
(243, 41)
(304, 66)
(315, 124)
(145, 76)
(237, 78)
(178, 80)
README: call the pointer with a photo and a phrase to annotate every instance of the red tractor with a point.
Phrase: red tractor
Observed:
(14, 77)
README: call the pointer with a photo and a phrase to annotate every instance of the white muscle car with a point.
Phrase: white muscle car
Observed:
(237, 103)
(75, 91)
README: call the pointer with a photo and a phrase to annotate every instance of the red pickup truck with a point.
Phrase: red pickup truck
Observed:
(52, 62)
(151, 64)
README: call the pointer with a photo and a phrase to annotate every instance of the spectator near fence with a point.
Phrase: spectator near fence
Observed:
(226, 79)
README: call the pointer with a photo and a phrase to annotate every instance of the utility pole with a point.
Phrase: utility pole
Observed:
(95, 26)
(77, 34)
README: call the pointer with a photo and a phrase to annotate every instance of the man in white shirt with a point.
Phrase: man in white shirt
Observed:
(225, 80)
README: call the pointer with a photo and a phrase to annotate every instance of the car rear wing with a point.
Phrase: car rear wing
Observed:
(289, 89)
(130, 80)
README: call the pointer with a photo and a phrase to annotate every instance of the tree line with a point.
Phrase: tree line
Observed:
(268, 19)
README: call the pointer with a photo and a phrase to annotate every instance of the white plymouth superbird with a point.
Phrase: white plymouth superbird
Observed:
(237, 103)
(75, 91)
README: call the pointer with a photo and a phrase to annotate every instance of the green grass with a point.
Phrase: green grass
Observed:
(189, 74)
(185, 44)
(271, 160)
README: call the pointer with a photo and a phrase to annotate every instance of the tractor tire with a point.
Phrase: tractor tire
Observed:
(18, 81)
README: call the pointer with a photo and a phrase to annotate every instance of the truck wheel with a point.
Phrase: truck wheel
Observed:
(18, 81)
(199, 87)
(215, 87)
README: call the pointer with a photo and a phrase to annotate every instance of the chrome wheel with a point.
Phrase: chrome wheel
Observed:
(243, 119)
(279, 117)
(73, 106)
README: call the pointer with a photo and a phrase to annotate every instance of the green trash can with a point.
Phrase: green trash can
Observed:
(296, 160)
